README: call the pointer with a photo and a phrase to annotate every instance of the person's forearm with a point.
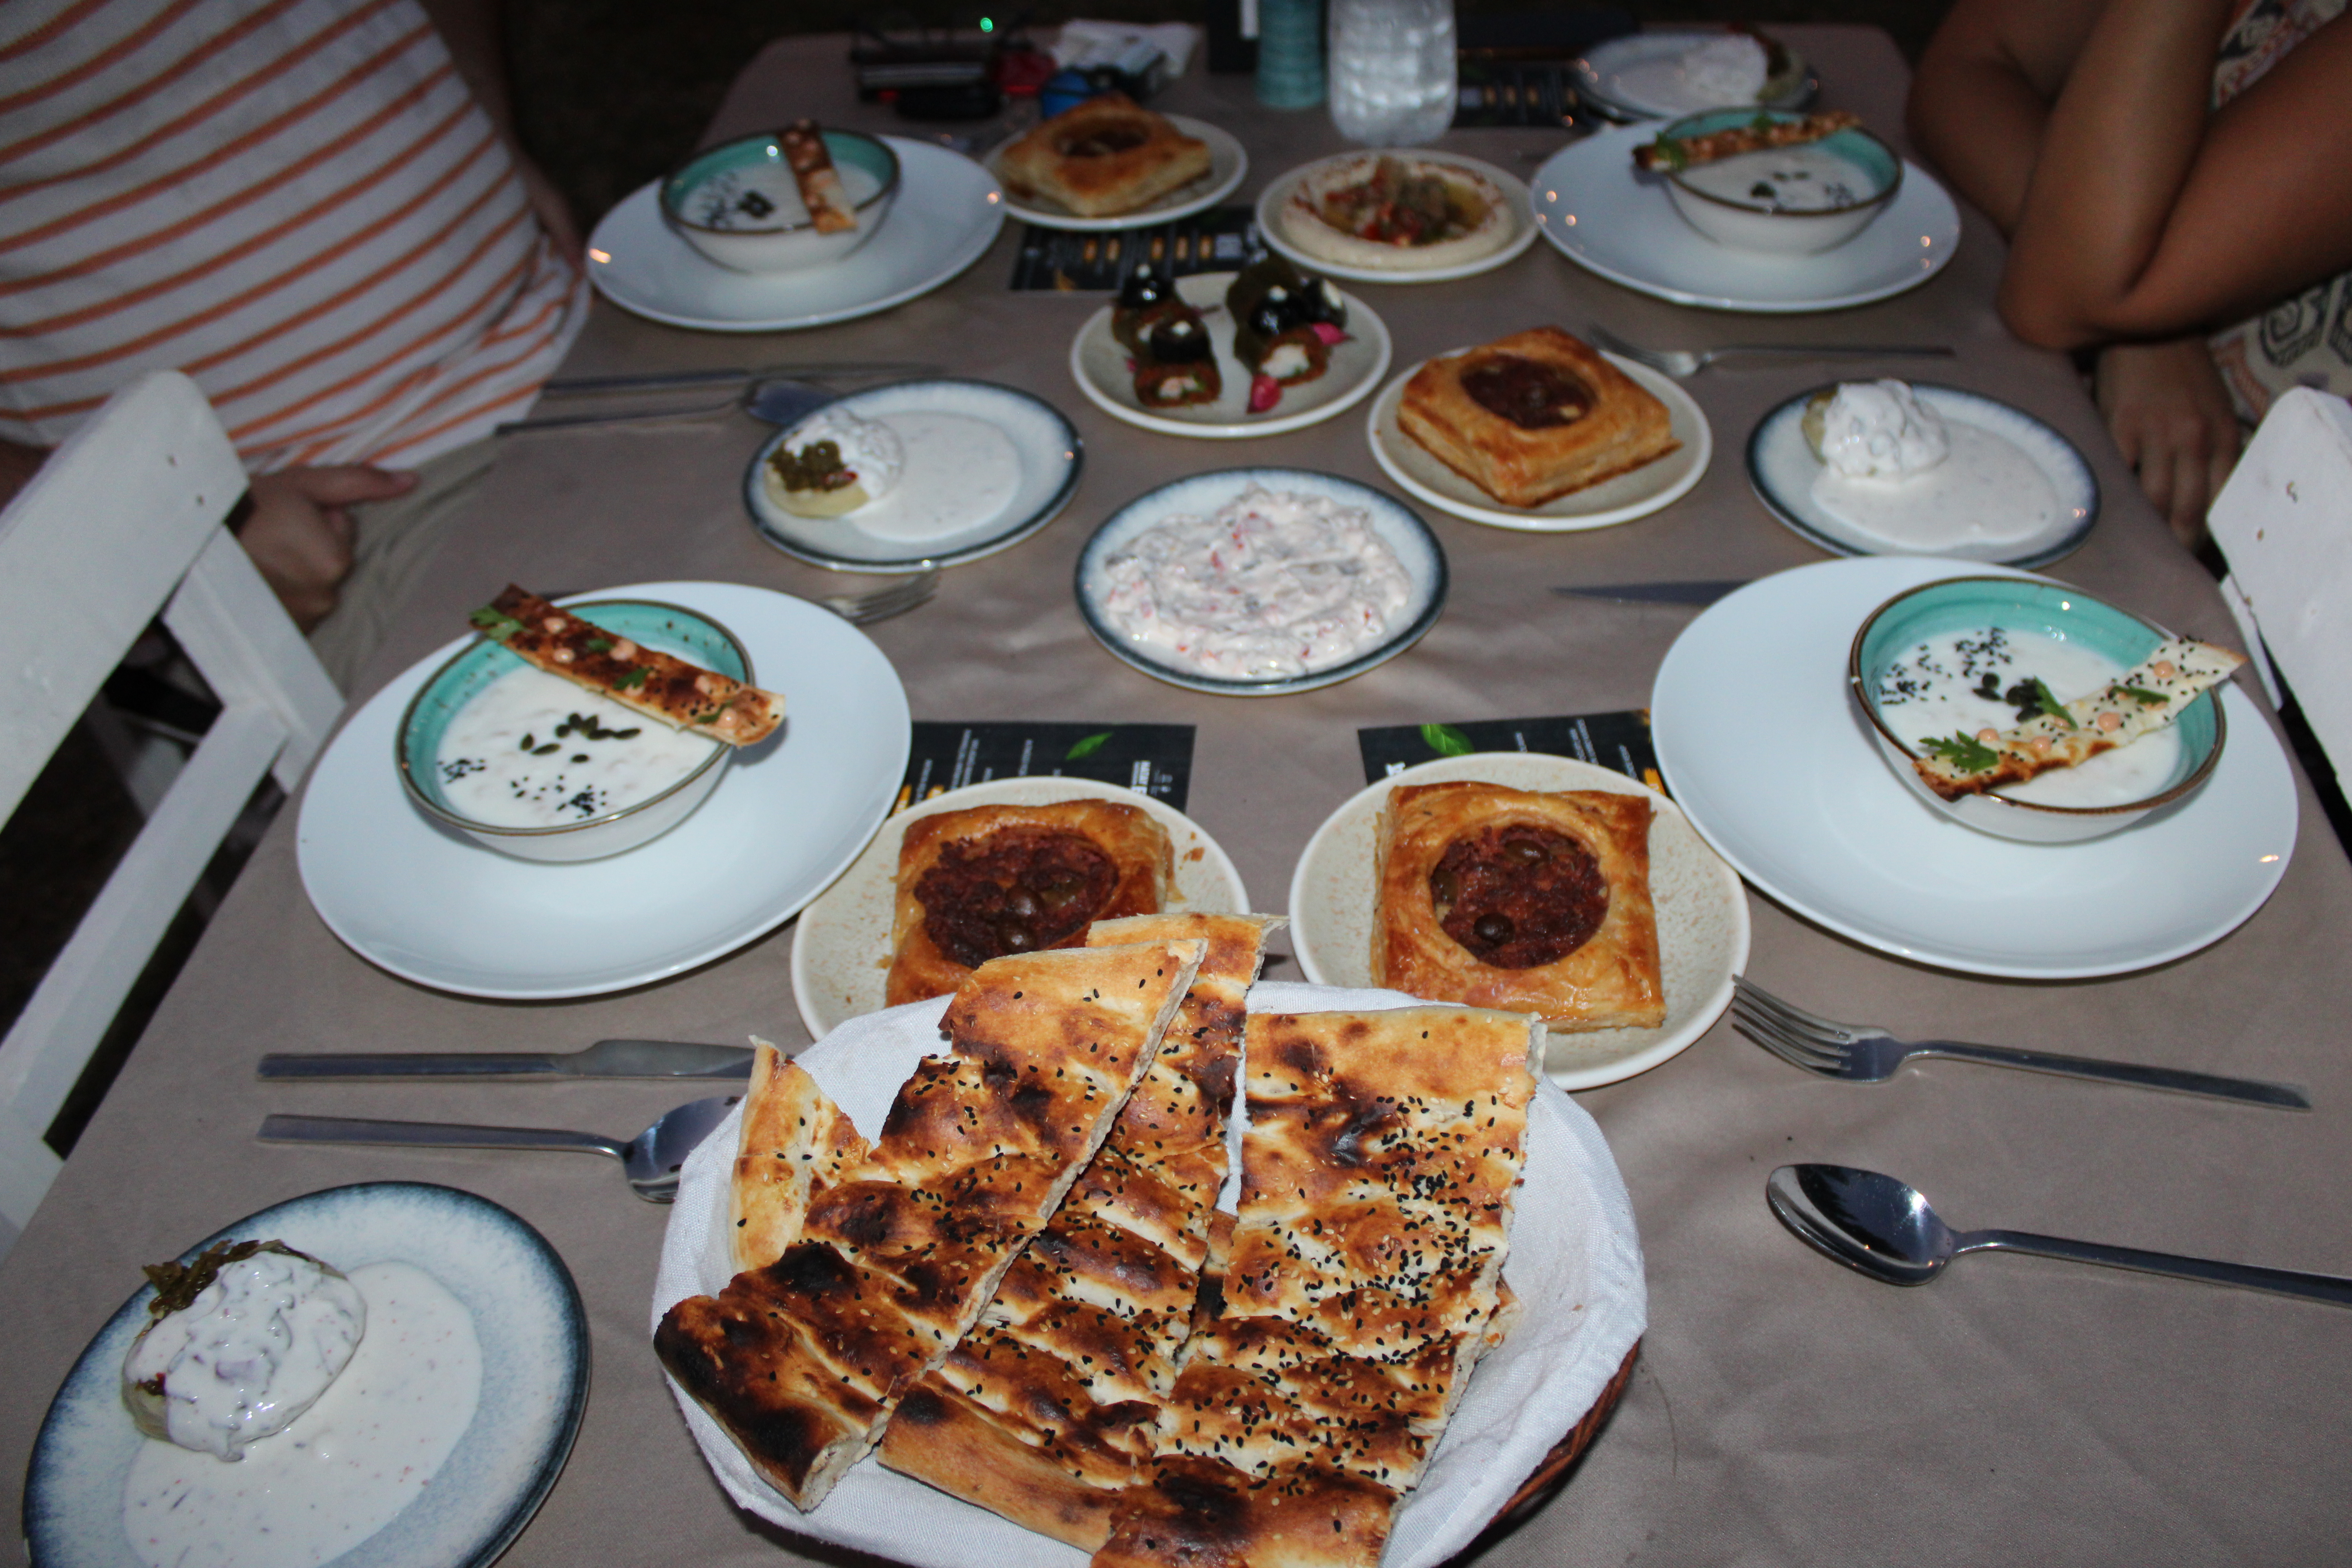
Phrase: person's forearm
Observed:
(1980, 121)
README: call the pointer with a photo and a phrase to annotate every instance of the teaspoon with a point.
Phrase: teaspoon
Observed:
(1879, 1226)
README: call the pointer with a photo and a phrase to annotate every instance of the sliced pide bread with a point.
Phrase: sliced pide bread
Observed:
(801, 1360)
(795, 1144)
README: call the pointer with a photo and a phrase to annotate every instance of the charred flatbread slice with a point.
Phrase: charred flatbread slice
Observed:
(828, 204)
(658, 685)
(1761, 135)
(796, 1143)
(801, 1360)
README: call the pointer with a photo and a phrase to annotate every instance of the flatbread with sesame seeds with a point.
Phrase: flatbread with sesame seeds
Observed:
(795, 1144)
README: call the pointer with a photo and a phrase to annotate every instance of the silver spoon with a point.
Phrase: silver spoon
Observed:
(651, 1159)
(1879, 1226)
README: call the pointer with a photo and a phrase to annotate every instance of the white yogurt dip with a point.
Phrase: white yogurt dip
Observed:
(960, 473)
(1938, 690)
(868, 452)
(1803, 179)
(255, 1349)
(373, 1441)
(1716, 74)
(1275, 585)
(763, 196)
(517, 754)
(1988, 492)
(1880, 430)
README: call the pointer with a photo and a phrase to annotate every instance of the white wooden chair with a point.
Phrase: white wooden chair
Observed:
(123, 519)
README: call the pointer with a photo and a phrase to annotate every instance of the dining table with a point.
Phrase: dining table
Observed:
(1781, 1409)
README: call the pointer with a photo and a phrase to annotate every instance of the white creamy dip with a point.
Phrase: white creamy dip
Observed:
(1880, 430)
(1716, 74)
(251, 1353)
(514, 756)
(763, 196)
(1988, 492)
(373, 1441)
(1809, 178)
(1273, 584)
(1935, 690)
(960, 472)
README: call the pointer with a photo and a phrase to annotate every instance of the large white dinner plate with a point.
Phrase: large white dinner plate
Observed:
(534, 1341)
(435, 907)
(1228, 166)
(1646, 489)
(877, 538)
(1702, 909)
(946, 216)
(1782, 469)
(1098, 365)
(1763, 749)
(1621, 79)
(1515, 192)
(1602, 215)
(841, 949)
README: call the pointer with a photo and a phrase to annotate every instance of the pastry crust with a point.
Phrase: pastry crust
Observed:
(1105, 157)
(1612, 981)
(1621, 426)
(1136, 844)
(656, 684)
(796, 1145)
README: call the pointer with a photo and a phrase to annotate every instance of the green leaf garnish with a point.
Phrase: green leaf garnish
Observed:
(177, 1284)
(600, 645)
(1670, 153)
(631, 680)
(495, 624)
(1447, 740)
(2051, 706)
(1965, 752)
(1086, 747)
(2142, 695)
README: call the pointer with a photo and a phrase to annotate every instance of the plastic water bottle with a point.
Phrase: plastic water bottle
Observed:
(1391, 70)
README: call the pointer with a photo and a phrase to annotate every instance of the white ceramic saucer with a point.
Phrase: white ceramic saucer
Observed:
(1610, 220)
(435, 907)
(1646, 489)
(946, 216)
(1615, 78)
(1098, 365)
(1514, 189)
(1763, 749)
(1228, 166)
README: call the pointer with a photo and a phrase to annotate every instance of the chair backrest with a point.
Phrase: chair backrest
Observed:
(123, 519)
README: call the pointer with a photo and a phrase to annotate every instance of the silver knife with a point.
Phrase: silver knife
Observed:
(605, 1059)
(1689, 591)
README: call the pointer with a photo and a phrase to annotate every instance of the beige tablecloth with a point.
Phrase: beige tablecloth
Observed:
(1784, 1410)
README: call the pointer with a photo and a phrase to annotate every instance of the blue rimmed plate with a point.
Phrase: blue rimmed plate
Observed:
(534, 1341)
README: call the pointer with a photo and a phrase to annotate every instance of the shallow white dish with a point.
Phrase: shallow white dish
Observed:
(1228, 166)
(946, 216)
(1649, 488)
(1098, 365)
(1592, 206)
(1773, 765)
(841, 949)
(1514, 189)
(1702, 909)
(1601, 76)
(1782, 468)
(534, 1340)
(1050, 454)
(432, 906)
(1398, 525)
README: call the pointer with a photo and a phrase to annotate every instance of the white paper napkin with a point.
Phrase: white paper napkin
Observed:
(1575, 1262)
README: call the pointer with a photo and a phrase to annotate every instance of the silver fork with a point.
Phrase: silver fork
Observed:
(1681, 363)
(881, 603)
(1863, 1054)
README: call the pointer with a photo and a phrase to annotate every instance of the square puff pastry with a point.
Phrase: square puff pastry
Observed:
(1612, 981)
(1136, 844)
(1621, 426)
(1103, 156)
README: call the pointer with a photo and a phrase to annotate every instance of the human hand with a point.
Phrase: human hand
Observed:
(2172, 416)
(299, 531)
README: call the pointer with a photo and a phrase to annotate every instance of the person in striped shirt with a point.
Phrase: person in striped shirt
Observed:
(318, 210)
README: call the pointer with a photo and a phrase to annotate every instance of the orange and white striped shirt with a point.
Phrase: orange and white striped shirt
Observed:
(297, 202)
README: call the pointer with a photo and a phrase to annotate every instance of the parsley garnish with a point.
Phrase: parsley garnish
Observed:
(495, 624)
(631, 680)
(1447, 740)
(600, 645)
(2142, 695)
(1670, 153)
(1965, 752)
(1086, 746)
(2051, 706)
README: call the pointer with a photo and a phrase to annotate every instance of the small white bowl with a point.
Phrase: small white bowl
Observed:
(1756, 226)
(777, 247)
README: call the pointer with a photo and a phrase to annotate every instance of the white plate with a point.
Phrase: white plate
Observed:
(841, 949)
(946, 217)
(435, 907)
(1050, 453)
(1609, 220)
(1770, 760)
(1782, 468)
(1397, 524)
(1646, 489)
(1600, 76)
(1228, 166)
(1514, 189)
(534, 1340)
(1098, 365)
(1702, 909)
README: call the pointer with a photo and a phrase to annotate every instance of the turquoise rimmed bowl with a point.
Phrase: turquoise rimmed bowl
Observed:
(703, 201)
(1751, 225)
(2025, 603)
(670, 628)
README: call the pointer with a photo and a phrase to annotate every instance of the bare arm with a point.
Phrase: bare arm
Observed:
(1981, 101)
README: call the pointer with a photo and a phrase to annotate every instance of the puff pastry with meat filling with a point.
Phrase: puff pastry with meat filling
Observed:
(1506, 898)
(1532, 417)
(1107, 156)
(989, 880)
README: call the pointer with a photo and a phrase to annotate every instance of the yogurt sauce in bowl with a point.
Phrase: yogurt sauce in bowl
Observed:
(534, 750)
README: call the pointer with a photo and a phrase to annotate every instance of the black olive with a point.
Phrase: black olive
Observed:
(1058, 889)
(1179, 340)
(1445, 885)
(1020, 904)
(1144, 286)
(1016, 937)
(1494, 930)
(1276, 314)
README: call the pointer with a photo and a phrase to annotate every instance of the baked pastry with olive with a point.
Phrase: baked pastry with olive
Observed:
(1102, 157)
(1514, 898)
(989, 880)
(1173, 361)
(1285, 326)
(1532, 417)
